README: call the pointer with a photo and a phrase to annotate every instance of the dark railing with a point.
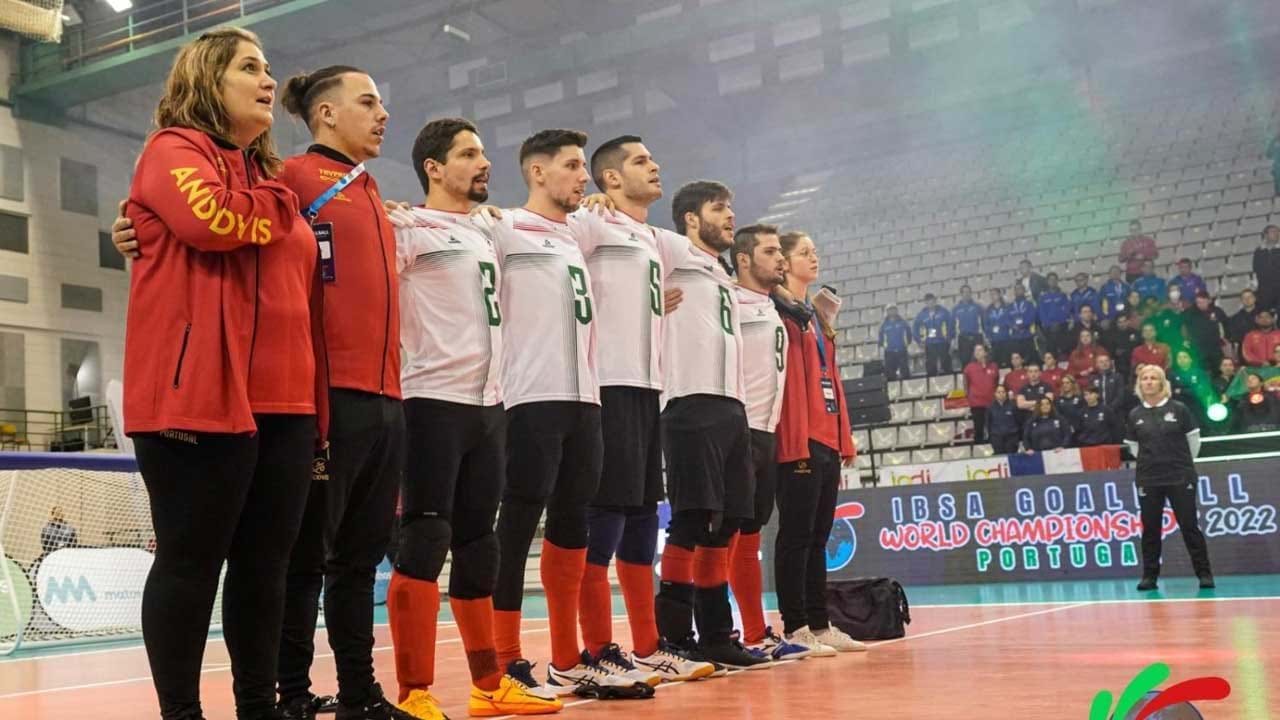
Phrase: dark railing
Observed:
(140, 27)
(54, 430)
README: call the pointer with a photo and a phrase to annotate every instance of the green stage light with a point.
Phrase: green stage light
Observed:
(1217, 412)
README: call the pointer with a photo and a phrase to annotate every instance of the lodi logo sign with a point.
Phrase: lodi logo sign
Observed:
(1141, 701)
(842, 543)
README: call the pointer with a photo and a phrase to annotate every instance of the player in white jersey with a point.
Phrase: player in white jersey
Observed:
(704, 433)
(551, 390)
(451, 335)
(628, 260)
(760, 268)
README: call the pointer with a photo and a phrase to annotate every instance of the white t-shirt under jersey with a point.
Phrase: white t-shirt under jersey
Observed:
(702, 340)
(547, 312)
(764, 359)
(450, 321)
(629, 261)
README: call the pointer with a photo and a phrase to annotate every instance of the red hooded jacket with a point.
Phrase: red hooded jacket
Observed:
(362, 303)
(218, 324)
(804, 411)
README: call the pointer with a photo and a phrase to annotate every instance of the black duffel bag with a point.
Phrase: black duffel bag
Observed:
(869, 608)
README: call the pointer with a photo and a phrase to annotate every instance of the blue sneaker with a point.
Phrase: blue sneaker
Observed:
(781, 650)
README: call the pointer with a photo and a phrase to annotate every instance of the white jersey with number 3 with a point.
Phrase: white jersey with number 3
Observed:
(628, 261)
(702, 340)
(764, 359)
(547, 312)
(450, 322)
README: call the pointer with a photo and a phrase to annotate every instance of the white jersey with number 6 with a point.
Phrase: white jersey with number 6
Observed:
(547, 312)
(702, 340)
(764, 359)
(628, 261)
(450, 322)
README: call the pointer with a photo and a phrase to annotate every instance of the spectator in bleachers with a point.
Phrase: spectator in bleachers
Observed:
(1266, 267)
(1122, 339)
(1070, 402)
(1223, 378)
(1151, 351)
(1050, 373)
(1032, 392)
(997, 324)
(1083, 296)
(1245, 320)
(1084, 358)
(1191, 385)
(967, 316)
(1168, 319)
(1017, 375)
(1031, 281)
(1260, 345)
(1055, 316)
(981, 376)
(1023, 316)
(1150, 286)
(933, 330)
(1045, 430)
(1137, 250)
(895, 339)
(1206, 329)
(1088, 320)
(1099, 424)
(1003, 430)
(1187, 282)
(1109, 383)
(1113, 298)
(1257, 410)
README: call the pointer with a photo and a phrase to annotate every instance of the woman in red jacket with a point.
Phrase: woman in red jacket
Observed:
(813, 441)
(220, 370)
(1084, 359)
(981, 376)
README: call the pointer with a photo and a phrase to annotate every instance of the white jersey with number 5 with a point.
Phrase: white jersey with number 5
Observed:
(628, 261)
(450, 322)
(764, 359)
(702, 340)
(547, 312)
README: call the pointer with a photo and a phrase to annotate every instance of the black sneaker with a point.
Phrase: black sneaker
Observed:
(1148, 583)
(689, 650)
(299, 708)
(735, 657)
(1206, 581)
(375, 707)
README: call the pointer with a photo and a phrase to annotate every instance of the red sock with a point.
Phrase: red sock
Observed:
(595, 608)
(506, 636)
(677, 565)
(562, 570)
(748, 585)
(637, 590)
(475, 625)
(710, 566)
(413, 608)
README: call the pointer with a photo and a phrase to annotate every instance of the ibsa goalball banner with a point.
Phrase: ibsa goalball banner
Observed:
(1069, 526)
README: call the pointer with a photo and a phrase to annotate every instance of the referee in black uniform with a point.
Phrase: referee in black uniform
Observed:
(1163, 436)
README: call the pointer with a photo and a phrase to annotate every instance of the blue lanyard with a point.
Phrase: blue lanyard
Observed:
(314, 209)
(821, 339)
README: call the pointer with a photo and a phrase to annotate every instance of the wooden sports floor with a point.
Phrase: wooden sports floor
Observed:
(997, 651)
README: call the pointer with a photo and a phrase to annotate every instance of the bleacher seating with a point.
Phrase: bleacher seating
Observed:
(1192, 169)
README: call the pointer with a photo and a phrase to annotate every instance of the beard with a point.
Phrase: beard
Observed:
(477, 196)
(713, 237)
(766, 279)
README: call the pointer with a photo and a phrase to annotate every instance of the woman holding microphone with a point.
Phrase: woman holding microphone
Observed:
(1163, 435)
(220, 370)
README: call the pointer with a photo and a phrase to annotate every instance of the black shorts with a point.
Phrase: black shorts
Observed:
(632, 474)
(554, 451)
(708, 448)
(456, 462)
(764, 461)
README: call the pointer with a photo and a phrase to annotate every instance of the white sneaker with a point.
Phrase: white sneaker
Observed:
(781, 650)
(834, 637)
(805, 638)
(612, 659)
(587, 679)
(671, 667)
